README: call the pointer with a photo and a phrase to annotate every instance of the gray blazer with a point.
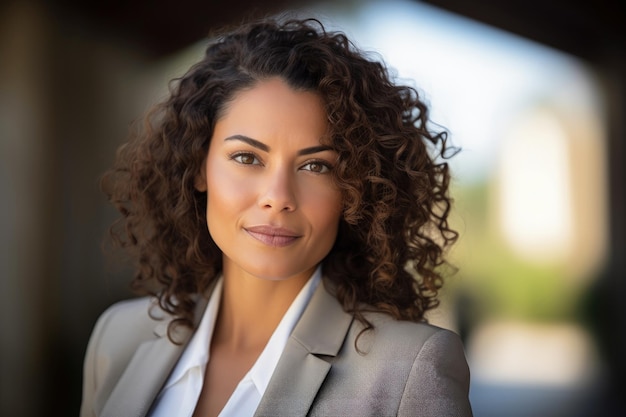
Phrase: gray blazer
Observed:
(403, 368)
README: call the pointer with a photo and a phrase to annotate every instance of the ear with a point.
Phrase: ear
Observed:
(200, 181)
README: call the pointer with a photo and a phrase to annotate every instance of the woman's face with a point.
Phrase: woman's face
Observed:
(272, 206)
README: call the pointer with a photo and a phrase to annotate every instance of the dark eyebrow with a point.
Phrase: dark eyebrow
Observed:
(250, 141)
(313, 149)
(265, 148)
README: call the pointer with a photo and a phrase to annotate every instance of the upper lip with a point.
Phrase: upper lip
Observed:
(272, 231)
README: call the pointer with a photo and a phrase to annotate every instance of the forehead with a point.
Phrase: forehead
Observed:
(275, 91)
(271, 108)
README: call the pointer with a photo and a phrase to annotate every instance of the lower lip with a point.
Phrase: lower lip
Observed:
(276, 241)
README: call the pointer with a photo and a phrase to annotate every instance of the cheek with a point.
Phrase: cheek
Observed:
(220, 191)
(325, 211)
(226, 194)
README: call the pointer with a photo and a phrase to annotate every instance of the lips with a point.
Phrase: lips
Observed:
(273, 236)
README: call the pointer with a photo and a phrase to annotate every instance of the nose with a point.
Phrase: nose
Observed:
(278, 191)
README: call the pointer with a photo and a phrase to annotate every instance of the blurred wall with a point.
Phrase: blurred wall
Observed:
(62, 113)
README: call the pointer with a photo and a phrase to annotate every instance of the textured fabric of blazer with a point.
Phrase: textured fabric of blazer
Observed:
(400, 368)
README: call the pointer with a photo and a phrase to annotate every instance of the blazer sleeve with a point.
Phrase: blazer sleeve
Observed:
(114, 340)
(90, 366)
(438, 384)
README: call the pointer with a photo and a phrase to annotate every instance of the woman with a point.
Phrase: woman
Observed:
(288, 213)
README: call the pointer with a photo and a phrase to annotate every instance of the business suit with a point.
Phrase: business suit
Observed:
(403, 368)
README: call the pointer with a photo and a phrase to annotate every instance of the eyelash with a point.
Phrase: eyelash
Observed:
(326, 167)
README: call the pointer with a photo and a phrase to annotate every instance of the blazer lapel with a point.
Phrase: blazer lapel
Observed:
(143, 378)
(301, 371)
(149, 369)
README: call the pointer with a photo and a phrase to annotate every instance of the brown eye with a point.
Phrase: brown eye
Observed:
(316, 167)
(246, 159)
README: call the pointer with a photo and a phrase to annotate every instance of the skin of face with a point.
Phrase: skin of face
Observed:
(272, 206)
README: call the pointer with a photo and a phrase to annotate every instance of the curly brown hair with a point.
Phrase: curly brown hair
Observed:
(391, 172)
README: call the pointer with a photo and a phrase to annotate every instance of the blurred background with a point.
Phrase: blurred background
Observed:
(532, 91)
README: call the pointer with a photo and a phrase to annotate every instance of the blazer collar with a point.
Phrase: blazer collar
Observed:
(295, 382)
(301, 371)
(150, 367)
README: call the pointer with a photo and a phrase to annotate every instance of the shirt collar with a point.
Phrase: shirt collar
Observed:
(262, 370)
(196, 353)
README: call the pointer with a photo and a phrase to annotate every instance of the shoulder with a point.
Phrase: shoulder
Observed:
(396, 368)
(132, 309)
(127, 321)
(439, 380)
(438, 376)
(133, 312)
(123, 327)
(118, 332)
(402, 344)
(410, 337)
(434, 350)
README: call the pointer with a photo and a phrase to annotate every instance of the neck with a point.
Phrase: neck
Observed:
(251, 308)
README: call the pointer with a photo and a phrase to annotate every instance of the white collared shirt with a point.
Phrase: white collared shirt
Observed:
(182, 389)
